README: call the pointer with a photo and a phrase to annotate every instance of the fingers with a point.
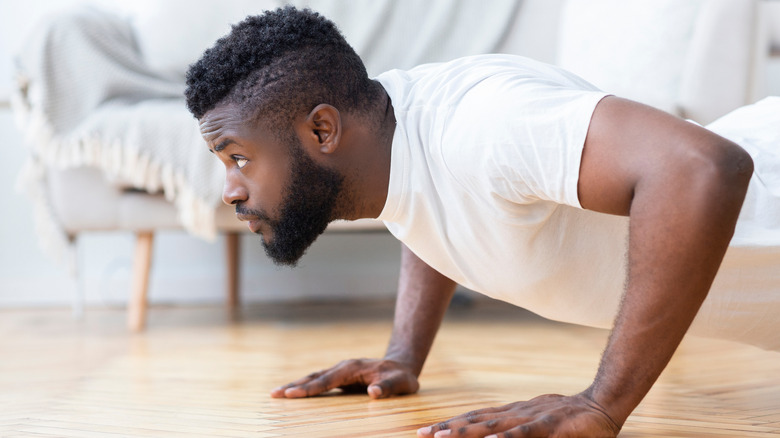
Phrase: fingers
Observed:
(379, 378)
(494, 428)
(280, 391)
(486, 421)
(549, 415)
(315, 383)
(497, 422)
(482, 426)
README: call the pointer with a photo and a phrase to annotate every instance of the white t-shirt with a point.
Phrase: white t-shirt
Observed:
(483, 188)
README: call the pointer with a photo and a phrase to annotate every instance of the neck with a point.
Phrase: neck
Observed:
(369, 177)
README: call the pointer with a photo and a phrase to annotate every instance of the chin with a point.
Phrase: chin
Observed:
(284, 252)
(282, 258)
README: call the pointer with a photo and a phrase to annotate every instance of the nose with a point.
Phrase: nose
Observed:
(234, 191)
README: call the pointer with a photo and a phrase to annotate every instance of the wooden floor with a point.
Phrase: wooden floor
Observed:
(195, 373)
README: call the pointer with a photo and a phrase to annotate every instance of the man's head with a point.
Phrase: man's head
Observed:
(277, 66)
(270, 98)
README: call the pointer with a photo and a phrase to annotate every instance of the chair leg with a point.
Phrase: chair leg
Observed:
(74, 269)
(142, 262)
(232, 252)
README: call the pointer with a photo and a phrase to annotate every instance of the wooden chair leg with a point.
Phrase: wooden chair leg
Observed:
(232, 251)
(142, 262)
(74, 269)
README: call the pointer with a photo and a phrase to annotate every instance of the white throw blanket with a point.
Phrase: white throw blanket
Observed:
(86, 98)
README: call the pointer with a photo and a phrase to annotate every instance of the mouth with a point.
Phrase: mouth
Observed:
(253, 222)
(254, 226)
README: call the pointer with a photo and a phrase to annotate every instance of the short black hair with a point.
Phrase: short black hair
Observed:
(278, 65)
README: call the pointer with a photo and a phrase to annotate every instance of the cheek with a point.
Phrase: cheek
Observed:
(267, 185)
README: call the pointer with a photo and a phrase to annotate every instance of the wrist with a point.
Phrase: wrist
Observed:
(407, 359)
(615, 409)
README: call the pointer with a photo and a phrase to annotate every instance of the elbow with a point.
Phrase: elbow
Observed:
(723, 174)
(738, 161)
(733, 168)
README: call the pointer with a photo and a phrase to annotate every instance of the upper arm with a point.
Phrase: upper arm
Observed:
(630, 146)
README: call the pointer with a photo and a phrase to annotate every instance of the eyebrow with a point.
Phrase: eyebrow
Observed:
(223, 144)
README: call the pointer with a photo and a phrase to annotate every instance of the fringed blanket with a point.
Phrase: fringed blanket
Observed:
(86, 98)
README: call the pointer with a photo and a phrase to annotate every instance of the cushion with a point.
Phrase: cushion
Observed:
(632, 48)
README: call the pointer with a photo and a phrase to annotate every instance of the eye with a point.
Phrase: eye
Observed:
(240, 161)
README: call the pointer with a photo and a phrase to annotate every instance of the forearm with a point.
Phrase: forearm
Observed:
(679, 232)
(423, 297)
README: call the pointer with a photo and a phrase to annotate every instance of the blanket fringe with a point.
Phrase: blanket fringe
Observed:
(120, 164)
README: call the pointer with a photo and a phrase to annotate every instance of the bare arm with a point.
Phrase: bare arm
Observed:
(683, 190)
(682, 187)
(423, 297)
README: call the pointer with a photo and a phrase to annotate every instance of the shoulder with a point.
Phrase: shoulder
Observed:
(446, 83)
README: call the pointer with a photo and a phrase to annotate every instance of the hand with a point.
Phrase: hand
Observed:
(543, 416)
(380, 378)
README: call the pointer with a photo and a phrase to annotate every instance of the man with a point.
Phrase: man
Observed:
(506, 175)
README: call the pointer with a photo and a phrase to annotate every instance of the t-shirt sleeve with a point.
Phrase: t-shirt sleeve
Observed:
(521, 139)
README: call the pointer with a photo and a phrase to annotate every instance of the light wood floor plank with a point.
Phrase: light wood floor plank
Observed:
(195, 372)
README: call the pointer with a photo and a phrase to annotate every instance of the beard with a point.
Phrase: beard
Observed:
(308, 206)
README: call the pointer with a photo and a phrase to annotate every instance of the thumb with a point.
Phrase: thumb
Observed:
(397, 383)
(375, 391)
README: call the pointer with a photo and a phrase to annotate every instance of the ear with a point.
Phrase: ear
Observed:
(323, 128)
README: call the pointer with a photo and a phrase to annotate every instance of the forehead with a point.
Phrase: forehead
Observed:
(226, 119)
